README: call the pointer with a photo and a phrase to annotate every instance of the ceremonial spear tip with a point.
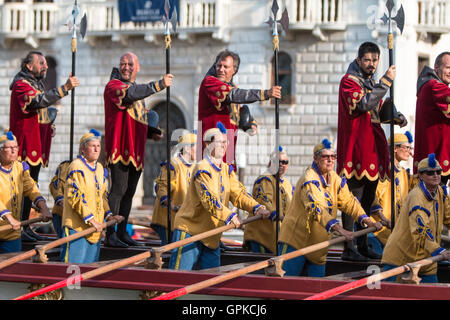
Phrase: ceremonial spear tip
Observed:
(399, 18)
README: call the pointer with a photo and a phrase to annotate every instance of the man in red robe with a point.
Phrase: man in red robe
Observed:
(126, 129)
(219, 100)
(432, 132)
(363, 154)
(29, 119)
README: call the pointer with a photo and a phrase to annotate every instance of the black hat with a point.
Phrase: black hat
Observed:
(385, 112)
(52, 112)
(153, 119)
(245, 118)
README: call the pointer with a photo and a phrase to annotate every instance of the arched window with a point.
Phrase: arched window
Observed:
(284, 77)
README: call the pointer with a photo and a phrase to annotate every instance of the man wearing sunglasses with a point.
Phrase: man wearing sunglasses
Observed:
(15, 182)
(417, 233)
(312, 215)
(260, 236)
(363, 154)
(433, 114)
(403, 183)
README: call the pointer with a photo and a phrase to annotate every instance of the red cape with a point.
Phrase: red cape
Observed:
(212, 109)
(125, 128)
(432, 131)
(31, 128)
(362, 149)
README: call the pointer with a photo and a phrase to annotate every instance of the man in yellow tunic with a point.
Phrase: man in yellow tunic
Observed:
(213, 185)
(56, 188)
(381, 208)
(312, 215)
(85, 202)
(181, 168)
(260, 236)
(15, 182)
(417, 233)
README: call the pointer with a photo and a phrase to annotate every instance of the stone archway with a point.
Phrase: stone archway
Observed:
(155, 152)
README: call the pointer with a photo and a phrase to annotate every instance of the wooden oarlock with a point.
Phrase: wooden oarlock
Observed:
(131, 260)
(272, 265)
(41, 257)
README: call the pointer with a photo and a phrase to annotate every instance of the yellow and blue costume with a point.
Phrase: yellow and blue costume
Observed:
(56, 188)
(313, 212)
(205, 208)
(264, 191)
(85, 198)
(417, 233)
(180, 177)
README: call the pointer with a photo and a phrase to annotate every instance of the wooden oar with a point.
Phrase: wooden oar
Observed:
(276, 261)
(22, 223)
(40, 250)
(133, 259)
(413, 267)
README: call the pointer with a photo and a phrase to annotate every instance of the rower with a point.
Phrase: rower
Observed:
(312, 215)
(260, 236)
(213, 185)
(417, 233)
(15, 182)
(181, 165)
(86, 203)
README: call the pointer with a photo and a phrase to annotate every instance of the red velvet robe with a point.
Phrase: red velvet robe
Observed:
(362, 149)
(212, 109)
(432, 131)
(125, 128)
(32, 128)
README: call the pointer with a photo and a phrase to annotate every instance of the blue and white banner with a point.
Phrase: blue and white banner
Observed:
(144, 10)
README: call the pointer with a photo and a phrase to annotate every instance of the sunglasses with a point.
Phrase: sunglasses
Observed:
(328, 156)
(285, 162)
(433, 172)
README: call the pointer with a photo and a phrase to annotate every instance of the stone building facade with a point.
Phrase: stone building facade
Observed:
(322, 41)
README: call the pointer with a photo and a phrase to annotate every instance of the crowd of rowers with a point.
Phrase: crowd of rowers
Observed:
(202, 190)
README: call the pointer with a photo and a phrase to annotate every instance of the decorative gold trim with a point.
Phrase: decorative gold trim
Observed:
(168, 41)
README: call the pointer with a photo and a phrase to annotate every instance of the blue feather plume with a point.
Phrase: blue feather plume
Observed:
(326, 143)
(280, 148)
(432, 160)
(409, 136)
(221, 127)
(10, 136)
(95, 132)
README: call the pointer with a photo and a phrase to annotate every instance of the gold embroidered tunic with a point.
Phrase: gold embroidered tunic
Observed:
(206, 205)
(85, 197)
(417, 233)
(313, 211)
(15, 183)
(264, 191)
(180, 176)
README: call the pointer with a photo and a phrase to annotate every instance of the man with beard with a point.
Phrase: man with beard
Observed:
(362, 150)
(219, 100)
(126, 130)
(433, 114)
(30, 122)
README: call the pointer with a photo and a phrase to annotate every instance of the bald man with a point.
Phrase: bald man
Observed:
(126, 129)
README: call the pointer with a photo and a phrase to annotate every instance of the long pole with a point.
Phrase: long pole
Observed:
(168, 136)
(53, 244)
(391, 124)
(254, 267)
(72, 97)
(133, 259)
